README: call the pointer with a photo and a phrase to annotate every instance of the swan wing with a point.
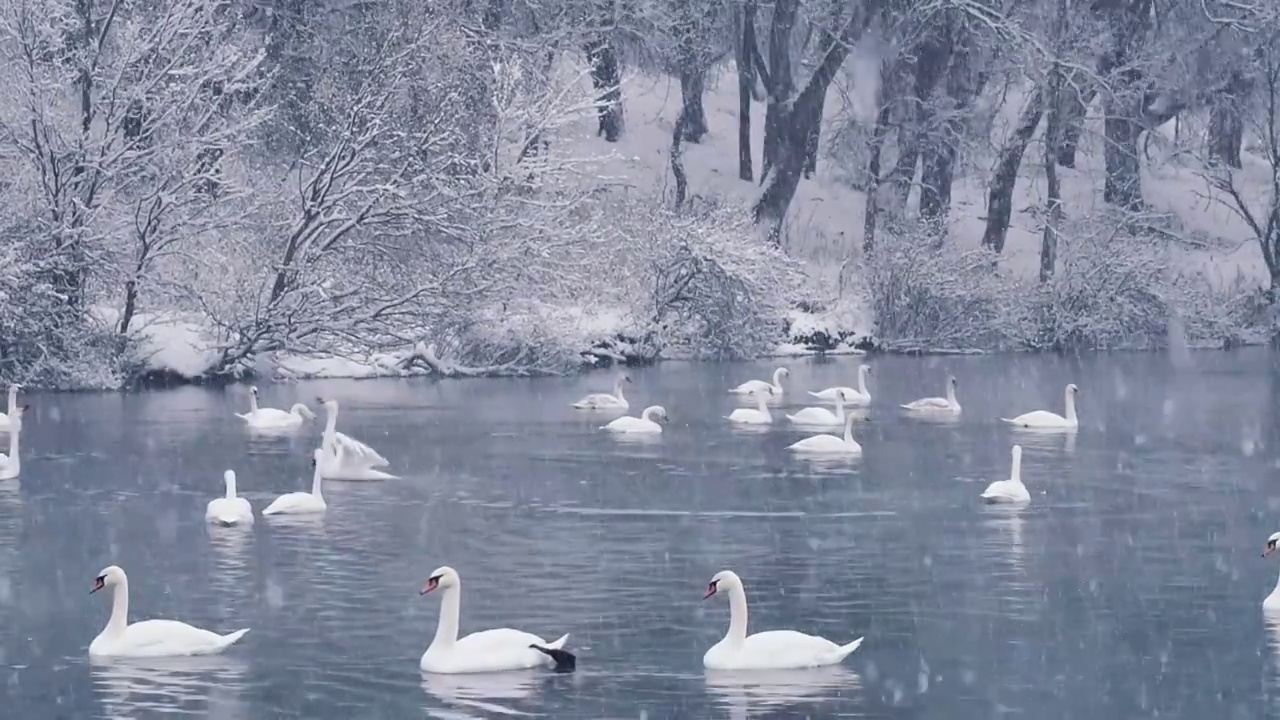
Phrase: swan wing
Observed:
(815, 416)
(930, 403)
(164, 638)
(494, 650)
(295, 502)
(751, 386)
(630, 424)
(351, 450)
(229, 511)
(595, 401)
(1038, 418)
(1006, 491)
(824, 444)
(748, 415)
(784, 649)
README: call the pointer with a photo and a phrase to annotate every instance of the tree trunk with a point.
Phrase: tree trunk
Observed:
(781, 84)
(1123, 186)
(1052, 147)
(746, 40)
(878, 134)
(937, 171)
(1005, 176)
(677, 161)
(606, 77)
(1074, 106)
(1226, 124)
(813, 139)
(793, 123)
(692, 85)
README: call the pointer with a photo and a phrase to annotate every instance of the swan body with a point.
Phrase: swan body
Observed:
(821, 416)
(260, 418)
(759, 387)
(11, 464)
(859, 396)
(758, 415)
(499, 650)
(1011, 490)
(646, 423)
(346, 458)
(830, 444)
(296, 503)
(1272, 602)
(772, 650)
(6, 423)
(1045, 420)
(947, 404)
(149, 638)
(229, 509)
(606, 401)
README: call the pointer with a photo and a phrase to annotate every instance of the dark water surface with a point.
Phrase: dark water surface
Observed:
(1131, 587)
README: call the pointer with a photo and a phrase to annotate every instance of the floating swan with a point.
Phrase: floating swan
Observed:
(947, 404)
(830, 443)
(646, 423)
(261, 418)
(772, 650)
(606, 401)
(1272, 603)
(149, 638)
(753, 416)
(497, 650)
(760, 386)
(859, 397)
(5, 422)
(295, 503)
(821, 416)
(229, 509)
(1043, 419)
(11, 464)
(1011, 490)
(346, 458)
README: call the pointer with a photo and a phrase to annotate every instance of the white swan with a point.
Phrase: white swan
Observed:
(646, 423)
(261, 418)
(295, 503)
(1043, 419)
(498, 650)
(948, 404)
(229, 509)
(5, 422)
(11, 464)
(346, 458)
(760, 386)
(606, 401)
(758, 415)
(821, 416)
(149, 638)
(859, 396)
(830, 444)
(772, 650)
(1272, 603)
(1011, 490)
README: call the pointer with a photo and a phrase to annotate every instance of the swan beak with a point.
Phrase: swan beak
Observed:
(98, 584)
(1270, 549)
(711, 590)
(432, 584)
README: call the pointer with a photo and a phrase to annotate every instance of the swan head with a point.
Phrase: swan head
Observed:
(951, 382)
(1271, 544)
(229, 477)
(330, 404)
(253, 390)
(110, 576)
(1072, 389)
(723, 580)
(443, 577)
(865, 370)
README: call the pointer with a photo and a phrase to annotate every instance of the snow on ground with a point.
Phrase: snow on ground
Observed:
(166, 343)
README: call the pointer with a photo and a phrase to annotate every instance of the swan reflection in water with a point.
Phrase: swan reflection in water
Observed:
(142, 687)
(1005, 519)
(484, 691)
(741, 691)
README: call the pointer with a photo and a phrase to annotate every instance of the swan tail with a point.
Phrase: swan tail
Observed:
(231, 638)
(565, 661)
(1011, 421)
(227, 520)
(815, 394)
(845, 651)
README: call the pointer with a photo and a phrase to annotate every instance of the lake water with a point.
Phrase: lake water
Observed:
(1130, 587)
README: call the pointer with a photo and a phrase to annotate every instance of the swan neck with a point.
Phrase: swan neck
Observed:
(763, 404)
(737, 616)
(862, 380)
(1276, 591)
(315, 482)
(450, 607)
(839, 408)
(253, 402)
(648, 413)
(1071, 406)
(119, 619)
(15, 434)
(1015, 474)
(951, 394)
(777, 380)
(848, 430)
(617, 389)
(13, 400)
(330, 427)
(231, 487)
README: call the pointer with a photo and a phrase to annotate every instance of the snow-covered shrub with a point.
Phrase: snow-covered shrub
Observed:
(945, 299)
(714, 286)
